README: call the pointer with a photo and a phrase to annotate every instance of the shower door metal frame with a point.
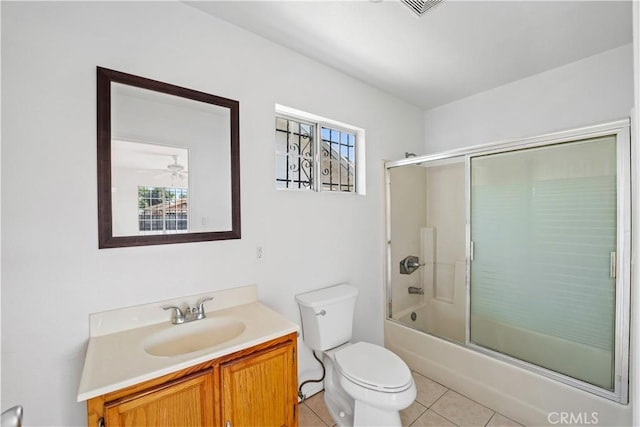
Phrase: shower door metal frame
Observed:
(621, 130)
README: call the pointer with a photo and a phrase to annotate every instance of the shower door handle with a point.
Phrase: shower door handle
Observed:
(613, 265)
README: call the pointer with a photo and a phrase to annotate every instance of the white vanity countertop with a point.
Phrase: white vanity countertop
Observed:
(116, 357)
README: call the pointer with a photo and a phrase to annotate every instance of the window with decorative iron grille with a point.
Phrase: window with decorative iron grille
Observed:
(337, 160)
(295, 141)
(314, 155)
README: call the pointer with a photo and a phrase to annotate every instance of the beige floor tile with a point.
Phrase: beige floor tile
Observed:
(308, 418)
(410, 414)
(499, 420)
(428, 391)
(435, 405)
(317, 405)
(461, 410)
(431, 419)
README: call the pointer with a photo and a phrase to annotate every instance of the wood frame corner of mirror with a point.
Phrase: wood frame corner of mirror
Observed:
(168, 163)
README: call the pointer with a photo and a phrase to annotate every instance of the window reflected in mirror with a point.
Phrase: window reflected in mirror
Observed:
(149, 188)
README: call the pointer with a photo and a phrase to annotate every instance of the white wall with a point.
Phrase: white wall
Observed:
(53, 274)
(1, 406)
(635, 261)
(587, 92)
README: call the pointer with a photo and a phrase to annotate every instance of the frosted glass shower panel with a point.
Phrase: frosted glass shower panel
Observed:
(543, 232)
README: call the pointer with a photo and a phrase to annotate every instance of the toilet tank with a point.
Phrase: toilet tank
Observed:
(327, 316)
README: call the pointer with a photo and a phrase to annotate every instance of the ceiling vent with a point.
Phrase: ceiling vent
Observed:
(421, 6)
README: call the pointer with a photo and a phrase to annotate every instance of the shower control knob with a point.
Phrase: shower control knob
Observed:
(342, 414)
(410, 264)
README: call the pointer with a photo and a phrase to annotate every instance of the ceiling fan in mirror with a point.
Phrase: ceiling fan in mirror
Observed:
(176, 169)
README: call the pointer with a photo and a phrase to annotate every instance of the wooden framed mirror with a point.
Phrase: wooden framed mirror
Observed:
(168, 163)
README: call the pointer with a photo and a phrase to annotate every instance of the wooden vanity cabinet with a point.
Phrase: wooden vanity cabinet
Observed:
(184, 402)
(256, 389)
(252, 387)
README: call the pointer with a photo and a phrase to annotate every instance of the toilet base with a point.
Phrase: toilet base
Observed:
(367, 415)
(360, 414)
(340, 407)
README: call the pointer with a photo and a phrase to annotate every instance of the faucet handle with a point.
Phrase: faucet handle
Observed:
(178, 316)
(200, 307)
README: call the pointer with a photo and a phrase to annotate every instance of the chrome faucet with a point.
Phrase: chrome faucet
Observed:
(190, 314)
(414, 290)
(410, 264)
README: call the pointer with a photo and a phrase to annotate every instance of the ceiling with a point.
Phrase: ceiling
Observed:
(147, 156)
(456, 49)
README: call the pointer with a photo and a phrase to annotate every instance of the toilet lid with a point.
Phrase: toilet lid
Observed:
(373, 366)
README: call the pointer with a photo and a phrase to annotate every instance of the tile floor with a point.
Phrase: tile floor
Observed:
(435, 405)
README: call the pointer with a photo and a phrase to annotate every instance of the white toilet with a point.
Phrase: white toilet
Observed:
(364, 384)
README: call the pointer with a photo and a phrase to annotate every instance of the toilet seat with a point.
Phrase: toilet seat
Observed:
(373, 367)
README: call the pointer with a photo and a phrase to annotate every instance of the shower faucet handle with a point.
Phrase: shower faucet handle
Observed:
(415, 264)
(410, 264)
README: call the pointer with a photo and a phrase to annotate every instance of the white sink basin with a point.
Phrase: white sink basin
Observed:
(193, 336)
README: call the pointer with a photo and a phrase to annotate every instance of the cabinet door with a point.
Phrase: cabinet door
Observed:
(184, 402)
(260, 389)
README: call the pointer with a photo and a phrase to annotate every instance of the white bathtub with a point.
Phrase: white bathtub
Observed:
(522, 395)
(437, 318)
(556, 354)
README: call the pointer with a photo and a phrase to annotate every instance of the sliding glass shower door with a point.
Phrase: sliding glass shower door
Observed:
(543, 248)
(524, 252)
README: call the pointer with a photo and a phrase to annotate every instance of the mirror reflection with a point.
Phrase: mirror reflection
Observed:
(172, 163)
(150, 188)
